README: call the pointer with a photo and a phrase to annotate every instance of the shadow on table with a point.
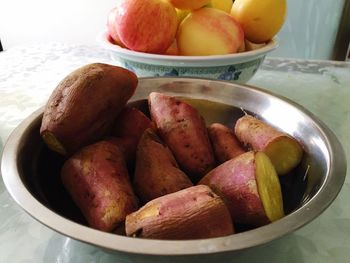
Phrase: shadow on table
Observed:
(63, 249)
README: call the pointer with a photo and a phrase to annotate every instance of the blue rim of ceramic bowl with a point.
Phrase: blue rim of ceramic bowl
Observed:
(185, 61)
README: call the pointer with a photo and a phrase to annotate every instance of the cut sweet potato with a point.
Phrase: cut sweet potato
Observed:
(269, 187)
(192, 213)
(84, 105)
(224, 142)
(156, 171)
(284, 151)
(184, 131)
(97, 180)
(250, 187)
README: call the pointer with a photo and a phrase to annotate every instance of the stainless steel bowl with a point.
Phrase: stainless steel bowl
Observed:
(31, 172)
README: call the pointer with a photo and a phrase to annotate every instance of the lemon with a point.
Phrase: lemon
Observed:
(261, 19)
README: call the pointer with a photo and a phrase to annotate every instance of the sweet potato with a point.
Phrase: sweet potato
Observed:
(192, 213)
(128, 129)
(97, 180)
(156, 170)
(84, 105)
(224, 142)
(184, 131)
(284, 151)
(128, 146)
(250, 187)
(131, 122)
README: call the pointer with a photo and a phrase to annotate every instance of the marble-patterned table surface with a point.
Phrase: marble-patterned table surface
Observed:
(29, 74)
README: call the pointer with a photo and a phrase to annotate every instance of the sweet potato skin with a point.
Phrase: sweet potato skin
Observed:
(84, 105)
(131, 122)
(128, 129)
(156, 170)
(255, 133)
(127, 145)
(184, 131)
(235, 182)
(261, 136)
(193, 213)
(97, 180)
(224, 142)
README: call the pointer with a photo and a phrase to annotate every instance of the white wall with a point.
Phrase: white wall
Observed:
(310, 29)
(28, 21)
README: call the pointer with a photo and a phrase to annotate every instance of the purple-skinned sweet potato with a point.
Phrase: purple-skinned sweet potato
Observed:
(128, 129)
(84, 105)
(128, 146)
(193, 213)
(131, 122)
(156, 170)
(250, 187)
(224, 142)
(183, 129)
(97, 179)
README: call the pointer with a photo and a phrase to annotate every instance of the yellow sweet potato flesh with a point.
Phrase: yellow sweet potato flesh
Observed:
(284, 151)
(235, 182)
(269, 187)
(53, 143)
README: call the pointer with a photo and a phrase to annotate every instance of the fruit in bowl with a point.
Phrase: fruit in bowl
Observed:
(261, 20)
(224, 5)
(189, 5)
(199, 28)
(209, 31)
(198, 48)
(145, 26)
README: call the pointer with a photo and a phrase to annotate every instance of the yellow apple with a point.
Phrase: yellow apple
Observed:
(189, 4)
(209, 31)
(224, 5)
(261, 19)
(146, 26)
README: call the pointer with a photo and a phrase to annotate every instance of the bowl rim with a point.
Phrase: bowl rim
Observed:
(185, 61)
(291, 222)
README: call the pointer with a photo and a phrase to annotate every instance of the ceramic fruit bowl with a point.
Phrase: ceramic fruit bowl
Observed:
(239, 67)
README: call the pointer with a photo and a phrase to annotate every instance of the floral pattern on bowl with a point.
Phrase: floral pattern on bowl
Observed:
(239, 72)
(239, 67)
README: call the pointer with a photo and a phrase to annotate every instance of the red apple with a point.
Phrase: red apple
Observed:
(146, 26)
(112, 27)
